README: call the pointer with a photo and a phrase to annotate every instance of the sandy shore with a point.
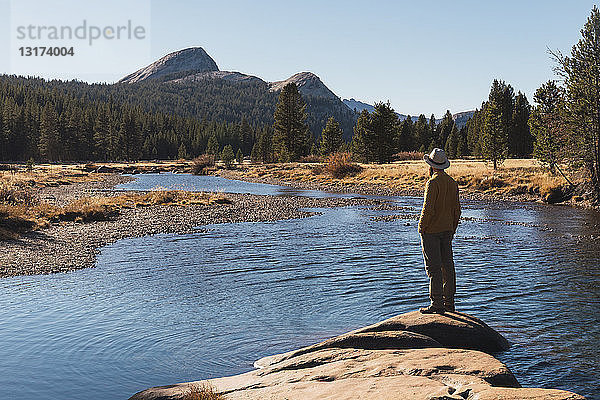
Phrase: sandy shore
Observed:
(70, 246)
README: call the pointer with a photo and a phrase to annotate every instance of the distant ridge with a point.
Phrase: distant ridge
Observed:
(460, 119)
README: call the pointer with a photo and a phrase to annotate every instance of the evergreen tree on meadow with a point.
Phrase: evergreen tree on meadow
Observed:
(494, 146)
(444, 130)
(474, 129)
(246, 137)
(462, 149)
(228, 156)
(331, 137)
(263, 147)
(406, 139)
(364, 138)
(212, 147)
(291, 136)
(433, 132)
(581, 72)
(452, 143)
(239, 156)
(422, 134)
(375, 135)
(385, 126)
(182, 152)
(520, 139)
(547, 125)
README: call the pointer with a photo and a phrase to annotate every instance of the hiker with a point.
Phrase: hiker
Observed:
(437, 225)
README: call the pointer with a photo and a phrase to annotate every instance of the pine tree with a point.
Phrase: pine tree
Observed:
(239, 157)
(444, 130)
(521, 141)
(331, 137)
(581, 71)
(385, 126)
(212, 147)
(452, 143)
(463, 148)
(182, 152)
(422, 134)
(433, 133)
(363, 141)
(406, 139)
(291, 136)
(474, 131)
(504, 97)
(227, 156)
(49, 134)
(263, 148)
(546, 124)
(246, 137)
(101, 134)
(494, 141)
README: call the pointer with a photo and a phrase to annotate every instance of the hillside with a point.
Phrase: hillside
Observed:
(188, 82)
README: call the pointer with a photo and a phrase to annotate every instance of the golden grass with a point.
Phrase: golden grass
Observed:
(21, 213)
(202, 392)
(46, 175)
(516, 176)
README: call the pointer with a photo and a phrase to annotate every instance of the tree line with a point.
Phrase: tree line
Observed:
(47, 124)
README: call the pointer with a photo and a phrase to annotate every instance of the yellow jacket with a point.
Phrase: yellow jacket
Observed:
(441, 208)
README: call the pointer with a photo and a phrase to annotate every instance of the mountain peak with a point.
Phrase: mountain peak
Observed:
(308, 84)
(191, 60)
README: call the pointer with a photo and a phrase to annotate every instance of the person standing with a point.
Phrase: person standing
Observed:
(437, 226)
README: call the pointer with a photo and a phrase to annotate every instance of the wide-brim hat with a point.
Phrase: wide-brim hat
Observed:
(437, 159)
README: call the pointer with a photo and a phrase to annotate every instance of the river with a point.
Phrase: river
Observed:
(170, 308)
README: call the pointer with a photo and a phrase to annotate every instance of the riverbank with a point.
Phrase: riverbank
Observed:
(516, 181)
(410, 356)
(71, 245)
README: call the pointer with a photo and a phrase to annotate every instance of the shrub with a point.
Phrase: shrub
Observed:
(489, 182)
(311, 158)
(202, 392)
(202, 164)
(407, 155)
(88, 209)
(340, 165)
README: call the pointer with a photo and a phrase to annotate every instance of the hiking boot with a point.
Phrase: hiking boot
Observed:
(432, 310)
(449, 307)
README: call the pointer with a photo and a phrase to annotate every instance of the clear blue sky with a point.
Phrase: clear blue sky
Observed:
(422, 56)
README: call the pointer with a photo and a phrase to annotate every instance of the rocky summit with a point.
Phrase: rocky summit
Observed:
(187, 61)
(410, 356)
(308, 84)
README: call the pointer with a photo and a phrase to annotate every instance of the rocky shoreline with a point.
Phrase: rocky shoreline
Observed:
(409, 356)
(70, 246)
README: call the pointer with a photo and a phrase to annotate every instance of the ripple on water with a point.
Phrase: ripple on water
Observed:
(171, 308)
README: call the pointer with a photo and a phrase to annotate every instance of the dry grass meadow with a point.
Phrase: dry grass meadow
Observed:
(516, 177)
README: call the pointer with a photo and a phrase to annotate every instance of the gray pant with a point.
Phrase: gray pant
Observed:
(439, 265)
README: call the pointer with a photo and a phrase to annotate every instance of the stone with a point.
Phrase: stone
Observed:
(454, 330)
(367, 340)
(399, 358)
